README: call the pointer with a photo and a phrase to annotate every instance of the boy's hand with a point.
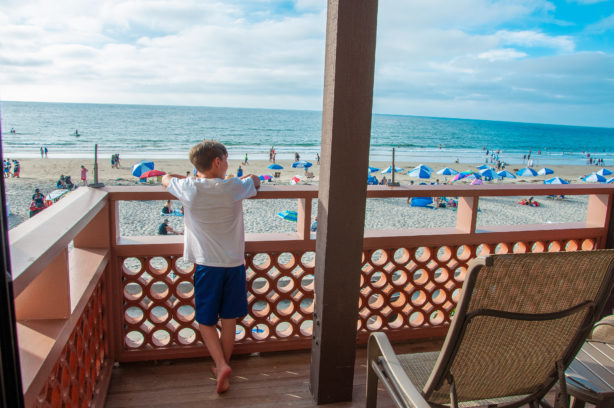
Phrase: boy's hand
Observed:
(254, 178)
(166, 179)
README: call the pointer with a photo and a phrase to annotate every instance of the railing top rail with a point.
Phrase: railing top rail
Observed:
(311, 191)
(35, 242)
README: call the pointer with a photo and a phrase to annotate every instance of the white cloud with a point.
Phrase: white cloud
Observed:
(438, 57)
(502, 54)
(602, 26)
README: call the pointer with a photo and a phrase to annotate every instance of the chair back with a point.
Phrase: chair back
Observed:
(518, 316)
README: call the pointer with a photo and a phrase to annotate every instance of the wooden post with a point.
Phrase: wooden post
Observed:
(346, 131)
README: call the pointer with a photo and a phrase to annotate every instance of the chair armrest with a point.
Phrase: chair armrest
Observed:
(380, 352)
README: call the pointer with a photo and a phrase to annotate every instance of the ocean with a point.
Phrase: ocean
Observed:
(150, 132)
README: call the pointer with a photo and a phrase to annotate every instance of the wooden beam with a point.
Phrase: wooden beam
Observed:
(346, 129)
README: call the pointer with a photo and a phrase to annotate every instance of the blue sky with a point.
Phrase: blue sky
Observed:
(517, 60)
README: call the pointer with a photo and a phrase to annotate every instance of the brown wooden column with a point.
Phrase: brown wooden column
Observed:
(346, 130)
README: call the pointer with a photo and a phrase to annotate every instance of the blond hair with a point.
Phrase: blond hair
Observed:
(203, 154)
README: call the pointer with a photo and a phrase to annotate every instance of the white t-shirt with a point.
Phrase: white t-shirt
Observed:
(213, 214)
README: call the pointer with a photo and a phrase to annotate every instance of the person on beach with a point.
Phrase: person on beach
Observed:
(84, 175)
(215, 243)
(245, 162)
(16, 168)
(42, 152)
(46, 151)
(317, 158)
(38, 202)
(297, 156)
(314, 225)
(69, 183)
(239, 172)
(167, 209)
(61, 183)
(165, 229)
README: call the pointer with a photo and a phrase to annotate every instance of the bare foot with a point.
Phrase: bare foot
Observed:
(223, 375)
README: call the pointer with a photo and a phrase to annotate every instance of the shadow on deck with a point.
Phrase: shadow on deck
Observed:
(258, 380)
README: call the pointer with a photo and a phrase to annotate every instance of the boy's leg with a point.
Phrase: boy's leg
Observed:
(222, 369)
(229, 327)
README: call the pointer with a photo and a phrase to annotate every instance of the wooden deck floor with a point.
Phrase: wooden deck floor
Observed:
(263, 380)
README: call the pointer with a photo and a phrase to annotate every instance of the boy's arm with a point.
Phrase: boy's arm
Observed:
(166, 179)
(254, 178)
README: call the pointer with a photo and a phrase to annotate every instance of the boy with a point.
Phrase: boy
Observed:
(215, 243)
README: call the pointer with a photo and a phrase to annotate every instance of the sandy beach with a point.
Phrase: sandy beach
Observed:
(143, 218)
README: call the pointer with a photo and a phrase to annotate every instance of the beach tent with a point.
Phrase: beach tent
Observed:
(421, 201)
(373, 169)
(288, 215)
(545, 171)
(419, 172)
(477, 182)
(556, 180)
(141, 167)
(389, 170)
(604, 172)
(446, 171)
(505, 173)
(594, 178)
(276, 166)
(301, 164)
(526, 172)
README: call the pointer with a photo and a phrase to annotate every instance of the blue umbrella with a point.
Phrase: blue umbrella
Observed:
(610, 181)
(301, 164)
(489, 174)
(389, 170)
(425, 166)
(288, 215)
(545, 171)
(275, 166)
(594, 178)
(604, 172)
(141, 167)
(371, 180)
(446, 171)
(419, 172)
(526, 172)
(373, 169)
(556, 180)
(505, 173)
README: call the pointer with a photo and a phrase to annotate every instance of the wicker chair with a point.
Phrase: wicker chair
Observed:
(520, 321)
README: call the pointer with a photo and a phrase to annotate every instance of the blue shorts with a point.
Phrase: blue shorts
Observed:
(219, 293)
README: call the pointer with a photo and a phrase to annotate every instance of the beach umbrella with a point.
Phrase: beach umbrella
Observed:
(505, 173)
(288, 215)
(141, 167)
(446, 171)
(485, 167)
(545, 171)
(424, 166)
(276, 166)
(594, 178)
(489, 174)
(295, 179)
(301, 164)
(371, 180)
(389, 170)
(373, 169)
(604, 172)
(477, 182)
(419, 172)
(556, 180)
(526, 172)
(266, 177)
(610, 181)
(152, 173)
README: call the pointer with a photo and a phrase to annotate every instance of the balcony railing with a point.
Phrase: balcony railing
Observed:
(87, 297)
